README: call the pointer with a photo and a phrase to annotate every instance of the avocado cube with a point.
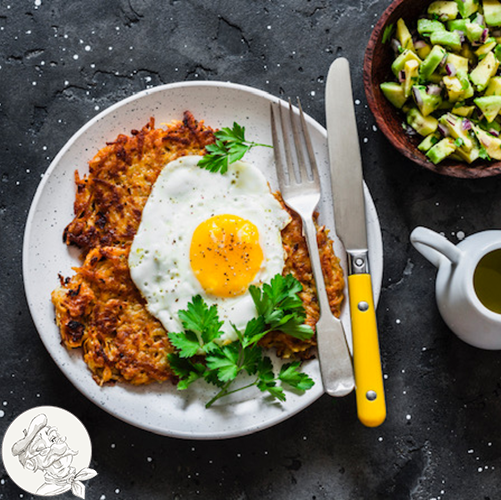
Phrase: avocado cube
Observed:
(431, 63)
(394, 92)
(497, 52)
(467, 52)
(474, 31)
(468, 91)
(428, 142)
(491, 144)
(423, 125)
(492, 12)
(411, 70)
(454, 125)
(462, 110)
(457, 25)
(426, 27)
(467, 156)
(489, 105)
(455, 90)
(441, 150)
(447, 39)
(494, 87)
(403, 35)
(484, 71)
(423, 51)
(444, 10)
(426, 103)
(467, 7)
(459, 62)
(486, 47)
(399, 62)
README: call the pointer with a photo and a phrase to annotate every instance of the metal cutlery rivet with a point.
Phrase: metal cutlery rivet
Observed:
(363, 306)
(371, 395)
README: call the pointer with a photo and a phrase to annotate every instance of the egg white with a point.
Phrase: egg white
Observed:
(183, 196)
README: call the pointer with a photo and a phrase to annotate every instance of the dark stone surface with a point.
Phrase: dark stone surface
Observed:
(60, 64)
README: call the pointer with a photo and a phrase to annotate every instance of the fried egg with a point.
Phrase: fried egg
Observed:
(208, 234)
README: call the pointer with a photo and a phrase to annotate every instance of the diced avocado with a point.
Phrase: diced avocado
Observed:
(468, 156)
(492, 12)
(474, 31)
(454, 125)
(394, 92)
(444, 10)
(426, 27)
(491, 144)
(403, 35)
(430, 64)
(486, 47)
(462, 110)
(441, 150)
(423, 125)
(457, 25)
(467, 7)
(497, 52)
(467, 52)
(423, 50)
(447, 39)
(459, 62)
(428, 142)
(484, 71)
(411, 70)
(466, 84)
(399, 62)
(494, 87)
(455, 89)
(426, 103)
(489, 105)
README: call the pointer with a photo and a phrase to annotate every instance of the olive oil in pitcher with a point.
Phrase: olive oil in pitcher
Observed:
(487, 281)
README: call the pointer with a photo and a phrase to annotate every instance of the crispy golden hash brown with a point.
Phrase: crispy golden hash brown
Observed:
(99, 308)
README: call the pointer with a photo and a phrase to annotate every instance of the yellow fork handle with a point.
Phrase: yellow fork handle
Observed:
(371, 406)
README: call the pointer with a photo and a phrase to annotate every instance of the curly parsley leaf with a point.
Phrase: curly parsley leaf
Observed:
(230, 146)
(279, 308)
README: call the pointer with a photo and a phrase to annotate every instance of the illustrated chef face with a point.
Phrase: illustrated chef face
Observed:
(49, 452)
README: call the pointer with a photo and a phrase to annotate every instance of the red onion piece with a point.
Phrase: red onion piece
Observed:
(444, 60)
(484, 35)
(494, 132)
(479, 20)
(451, 69)
(433, 89)
(466, 125)
(396, 45)
(443, 130)
(417, 96)
(401, 76)
(419, 44)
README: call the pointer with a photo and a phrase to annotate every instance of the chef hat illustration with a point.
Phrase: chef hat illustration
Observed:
(19, 448)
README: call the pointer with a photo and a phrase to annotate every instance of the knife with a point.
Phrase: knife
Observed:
(349, 212)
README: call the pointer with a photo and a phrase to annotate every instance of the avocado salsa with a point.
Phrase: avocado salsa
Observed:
(446, 79)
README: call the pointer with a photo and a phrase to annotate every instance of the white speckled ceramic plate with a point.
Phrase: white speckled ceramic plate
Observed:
(160, 408)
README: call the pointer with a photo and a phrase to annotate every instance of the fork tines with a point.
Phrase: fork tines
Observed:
(287, 122)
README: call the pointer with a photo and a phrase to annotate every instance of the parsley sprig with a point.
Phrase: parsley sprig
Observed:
(230, 146)
(199, 356)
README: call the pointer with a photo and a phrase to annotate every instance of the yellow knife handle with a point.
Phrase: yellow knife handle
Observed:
(371, 404)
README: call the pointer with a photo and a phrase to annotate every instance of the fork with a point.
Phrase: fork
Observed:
(300, 188)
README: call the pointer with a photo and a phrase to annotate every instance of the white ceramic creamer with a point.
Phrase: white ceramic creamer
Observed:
(456, 297)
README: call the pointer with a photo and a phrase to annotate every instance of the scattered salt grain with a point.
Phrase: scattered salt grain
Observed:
(460, 235)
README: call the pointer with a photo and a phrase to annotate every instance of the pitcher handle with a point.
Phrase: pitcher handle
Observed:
(434, 246)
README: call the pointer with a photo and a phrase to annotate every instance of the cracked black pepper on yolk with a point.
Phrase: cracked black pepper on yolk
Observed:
(225, 254)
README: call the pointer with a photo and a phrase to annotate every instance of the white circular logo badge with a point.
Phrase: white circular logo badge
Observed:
(46, 451)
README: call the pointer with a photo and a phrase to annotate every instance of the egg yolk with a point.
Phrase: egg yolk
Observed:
(225, 254)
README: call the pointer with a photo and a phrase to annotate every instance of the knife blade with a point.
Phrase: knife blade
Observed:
(350, 222)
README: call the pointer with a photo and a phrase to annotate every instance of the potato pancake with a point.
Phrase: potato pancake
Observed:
(100, 310)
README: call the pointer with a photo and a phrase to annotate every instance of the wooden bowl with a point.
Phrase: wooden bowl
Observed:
(377, 69)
